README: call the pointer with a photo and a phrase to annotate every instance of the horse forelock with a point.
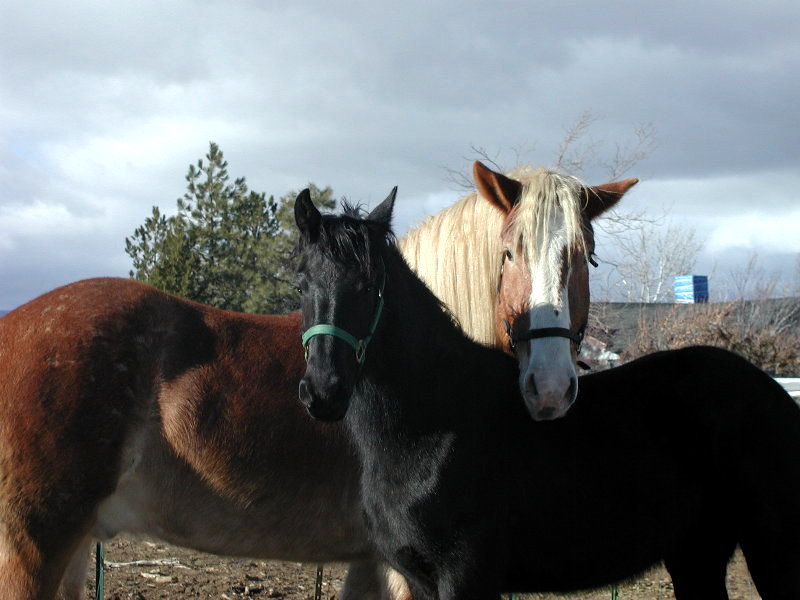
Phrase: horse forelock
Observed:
(549, 211)
(457, 253)
(351, 237)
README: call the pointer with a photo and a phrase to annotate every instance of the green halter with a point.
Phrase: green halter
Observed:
(360, 346)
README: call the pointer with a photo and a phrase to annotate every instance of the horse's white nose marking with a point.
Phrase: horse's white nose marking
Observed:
(547, 374)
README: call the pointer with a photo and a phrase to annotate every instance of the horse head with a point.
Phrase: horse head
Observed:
(542, 304)
(341, 305)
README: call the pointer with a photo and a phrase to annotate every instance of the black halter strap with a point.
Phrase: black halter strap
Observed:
(545, 332)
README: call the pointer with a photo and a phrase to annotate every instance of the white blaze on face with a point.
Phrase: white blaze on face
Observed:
(547, 373)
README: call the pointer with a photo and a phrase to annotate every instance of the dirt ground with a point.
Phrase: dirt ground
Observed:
(147, 570)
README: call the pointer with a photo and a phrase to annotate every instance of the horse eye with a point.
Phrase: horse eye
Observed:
(508, 254)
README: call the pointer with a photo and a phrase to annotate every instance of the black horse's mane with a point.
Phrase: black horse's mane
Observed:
(351, 238)
(341, 237)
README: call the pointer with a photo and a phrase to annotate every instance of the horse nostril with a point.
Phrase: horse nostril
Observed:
(530, 384)
(304, 393)
(572, 390)
(546, 413)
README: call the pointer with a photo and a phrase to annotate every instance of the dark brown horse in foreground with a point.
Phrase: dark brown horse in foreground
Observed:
(126, 409)
(676, 457)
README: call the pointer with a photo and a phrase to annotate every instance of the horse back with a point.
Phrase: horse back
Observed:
(654, 455)
(93, 361)
(702, 385)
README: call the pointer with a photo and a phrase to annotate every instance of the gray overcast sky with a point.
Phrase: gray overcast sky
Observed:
(103, 105)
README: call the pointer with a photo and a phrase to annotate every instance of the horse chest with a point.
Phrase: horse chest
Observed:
(409, 491)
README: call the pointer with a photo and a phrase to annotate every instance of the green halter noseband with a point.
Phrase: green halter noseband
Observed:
(360, 346)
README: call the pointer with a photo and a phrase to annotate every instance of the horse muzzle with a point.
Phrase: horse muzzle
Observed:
(328, 402)
(548, 397)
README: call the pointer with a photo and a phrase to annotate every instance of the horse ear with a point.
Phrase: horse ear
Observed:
(307, 216)
(383, 212)
(601, 198)
(501, 191)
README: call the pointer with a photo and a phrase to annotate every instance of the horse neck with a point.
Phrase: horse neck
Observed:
(418, 366)
(416, 329)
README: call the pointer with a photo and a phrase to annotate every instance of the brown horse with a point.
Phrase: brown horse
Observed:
(543, 296)
(123, 408)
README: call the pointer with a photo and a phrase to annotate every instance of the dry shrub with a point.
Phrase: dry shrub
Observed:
(766, 332)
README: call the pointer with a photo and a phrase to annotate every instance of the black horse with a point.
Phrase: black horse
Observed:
(678, 456)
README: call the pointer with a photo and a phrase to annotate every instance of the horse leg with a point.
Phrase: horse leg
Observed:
(475, 577)
(773, 559)
(73, 582)
(36, 565)
(769, 512)
(775, 575)
(467, 588)
(368, 580)
(16, 579)
(698, 570)
(397, 586)
(25, 574)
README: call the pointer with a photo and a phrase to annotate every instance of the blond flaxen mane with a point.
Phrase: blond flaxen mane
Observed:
(459, 252)
(456, 252)
(549, 200)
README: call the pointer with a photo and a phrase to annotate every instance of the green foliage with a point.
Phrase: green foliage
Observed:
(226, 246)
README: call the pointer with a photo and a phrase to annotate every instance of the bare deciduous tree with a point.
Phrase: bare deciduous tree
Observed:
(578, 151)
(646, 258)
(751, 281)
(576, 154)
(765, 331)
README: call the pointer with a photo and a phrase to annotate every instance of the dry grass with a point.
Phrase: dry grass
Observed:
(767, 333)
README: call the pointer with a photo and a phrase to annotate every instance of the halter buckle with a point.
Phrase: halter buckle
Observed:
(361, 351)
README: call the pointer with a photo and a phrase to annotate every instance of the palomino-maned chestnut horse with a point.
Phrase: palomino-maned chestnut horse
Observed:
(678, 456)
(126, 409)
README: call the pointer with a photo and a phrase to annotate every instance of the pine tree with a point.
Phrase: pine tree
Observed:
(227, 246)
(280, 292)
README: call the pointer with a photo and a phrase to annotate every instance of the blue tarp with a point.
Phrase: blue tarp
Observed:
(691, 289)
